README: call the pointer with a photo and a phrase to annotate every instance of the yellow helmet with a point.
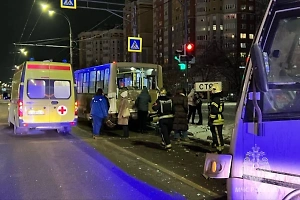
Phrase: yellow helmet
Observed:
(216, 88)
(163, 91)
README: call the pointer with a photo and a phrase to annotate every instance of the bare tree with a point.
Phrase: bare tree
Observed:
(216, 62)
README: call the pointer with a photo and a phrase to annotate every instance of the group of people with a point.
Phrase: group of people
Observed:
(174, 113)
(99, 112)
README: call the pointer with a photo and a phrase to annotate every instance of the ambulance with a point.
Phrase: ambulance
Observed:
(43, 96)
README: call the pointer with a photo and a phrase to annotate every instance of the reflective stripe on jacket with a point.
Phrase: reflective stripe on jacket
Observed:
(216, 111)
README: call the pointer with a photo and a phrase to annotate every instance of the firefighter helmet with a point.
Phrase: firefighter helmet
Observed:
(216, 88)
(163, 91)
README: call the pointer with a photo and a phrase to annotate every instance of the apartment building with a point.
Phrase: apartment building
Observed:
(169, 29)
(144, 28)
(231, 23)
(100, 46)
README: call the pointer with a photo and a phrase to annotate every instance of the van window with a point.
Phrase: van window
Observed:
(62, 89)
(48, 89)
(36, 89)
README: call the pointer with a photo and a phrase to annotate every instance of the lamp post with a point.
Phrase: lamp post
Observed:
(45, 7)
(52, 12)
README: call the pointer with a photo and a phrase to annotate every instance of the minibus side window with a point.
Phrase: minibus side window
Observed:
(62, 89)
(92, 82)
(36, 89)
(86, 78)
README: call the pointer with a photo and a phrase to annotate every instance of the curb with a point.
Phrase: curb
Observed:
(155, 166)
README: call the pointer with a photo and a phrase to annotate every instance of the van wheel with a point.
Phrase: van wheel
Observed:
(16, 130)
(64, 131)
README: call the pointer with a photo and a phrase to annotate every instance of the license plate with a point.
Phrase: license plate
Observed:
(35, 112)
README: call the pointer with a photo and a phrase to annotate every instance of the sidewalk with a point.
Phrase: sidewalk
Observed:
(186, 159)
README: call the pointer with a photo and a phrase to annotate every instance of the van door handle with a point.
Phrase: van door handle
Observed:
(54, 102)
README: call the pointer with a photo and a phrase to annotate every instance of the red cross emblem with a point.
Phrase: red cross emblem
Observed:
(62, 110)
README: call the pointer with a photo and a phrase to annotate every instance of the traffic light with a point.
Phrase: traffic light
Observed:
(189, 51)
(182, 66)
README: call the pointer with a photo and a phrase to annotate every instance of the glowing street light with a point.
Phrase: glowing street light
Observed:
(44, 7)
(51, 12)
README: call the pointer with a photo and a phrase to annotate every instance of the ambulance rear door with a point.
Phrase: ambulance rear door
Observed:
(35, 93)
(62, 96)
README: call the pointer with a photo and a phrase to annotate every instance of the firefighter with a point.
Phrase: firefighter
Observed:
(164, 107)
(216, 118)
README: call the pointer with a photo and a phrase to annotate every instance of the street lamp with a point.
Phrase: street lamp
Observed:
(51, 13)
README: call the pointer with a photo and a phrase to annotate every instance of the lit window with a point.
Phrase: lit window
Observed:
(214, 27)
(243, 55)
(243, 35)
(243, 45)
(243, 7)
(221, 27)
(251, 8)
(251, 36)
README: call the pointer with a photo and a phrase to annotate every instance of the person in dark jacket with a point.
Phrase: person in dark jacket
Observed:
(216, 118)
(198, 102)
(180, 109)
(142, 104)
(99, 111)
(164, 107)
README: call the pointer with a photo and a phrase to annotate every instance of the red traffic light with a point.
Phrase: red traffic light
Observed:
(190, 47)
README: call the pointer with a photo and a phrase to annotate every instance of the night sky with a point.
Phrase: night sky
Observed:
(40, 26)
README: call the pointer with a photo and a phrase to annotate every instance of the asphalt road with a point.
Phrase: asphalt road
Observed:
(48, 165)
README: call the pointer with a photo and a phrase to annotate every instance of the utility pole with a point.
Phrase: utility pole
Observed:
(186, 41)
(185, 14)
(134, 28)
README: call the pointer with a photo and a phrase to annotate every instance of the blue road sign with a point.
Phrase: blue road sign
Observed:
(134, 44)
(70, 4)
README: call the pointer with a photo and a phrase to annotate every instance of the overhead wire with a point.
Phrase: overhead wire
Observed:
(24, 27)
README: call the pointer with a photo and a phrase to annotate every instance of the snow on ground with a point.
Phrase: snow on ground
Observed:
(202, 131)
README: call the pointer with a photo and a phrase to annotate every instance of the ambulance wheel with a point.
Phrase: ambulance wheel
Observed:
(18, 130)
(64, 131)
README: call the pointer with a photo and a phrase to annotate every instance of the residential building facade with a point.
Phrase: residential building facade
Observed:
(99, 47)
(144, 28)
(169, 34)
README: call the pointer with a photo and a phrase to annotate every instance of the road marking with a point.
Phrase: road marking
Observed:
(170, 173)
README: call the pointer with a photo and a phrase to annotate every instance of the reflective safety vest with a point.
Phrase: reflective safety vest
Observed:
(216, 108)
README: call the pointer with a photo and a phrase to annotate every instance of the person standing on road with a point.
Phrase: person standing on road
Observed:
(192, 106)
(124, 113)
(198, 102)
(180, 109)
(99, 111)
(164, 107)
(142, 104)
(216, 118)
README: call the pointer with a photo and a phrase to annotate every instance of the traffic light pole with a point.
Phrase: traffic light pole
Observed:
(185, 37)
(134, 28)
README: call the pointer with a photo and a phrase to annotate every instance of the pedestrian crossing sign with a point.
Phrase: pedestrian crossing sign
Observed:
(134, 44)
(70, 4)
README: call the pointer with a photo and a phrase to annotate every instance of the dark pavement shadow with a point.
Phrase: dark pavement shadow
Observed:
(197, 148)
(148, 144)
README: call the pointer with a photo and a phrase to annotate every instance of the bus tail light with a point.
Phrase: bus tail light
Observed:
(20, 108)
(76, 108)
(217, 165)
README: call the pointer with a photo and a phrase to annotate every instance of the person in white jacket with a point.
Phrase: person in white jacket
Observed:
(192, 106)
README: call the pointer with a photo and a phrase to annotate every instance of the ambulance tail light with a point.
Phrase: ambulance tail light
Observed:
(76, 108)
(20, 108)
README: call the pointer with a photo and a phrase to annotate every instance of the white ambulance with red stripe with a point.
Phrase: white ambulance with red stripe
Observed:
(43, 96)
